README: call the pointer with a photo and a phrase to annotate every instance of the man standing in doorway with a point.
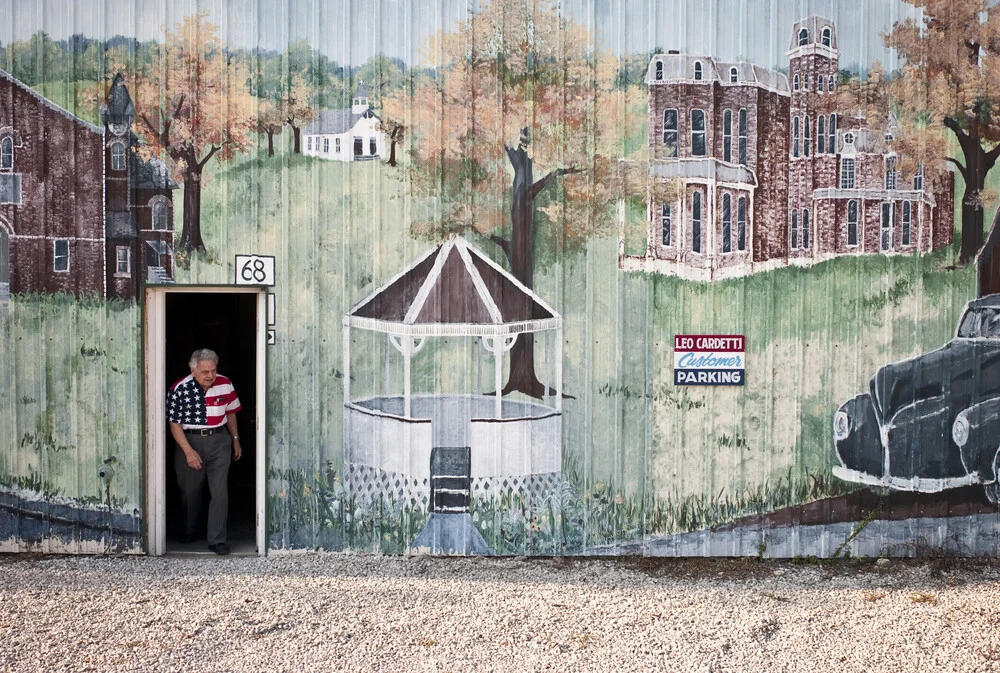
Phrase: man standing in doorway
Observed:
(200, 408)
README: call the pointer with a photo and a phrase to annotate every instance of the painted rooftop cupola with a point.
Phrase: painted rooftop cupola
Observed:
(118, 113)
(360, 102)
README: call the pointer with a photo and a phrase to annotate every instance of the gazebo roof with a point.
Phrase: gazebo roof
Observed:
(453, 289)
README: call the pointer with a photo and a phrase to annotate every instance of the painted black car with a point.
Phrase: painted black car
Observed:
(931, 422)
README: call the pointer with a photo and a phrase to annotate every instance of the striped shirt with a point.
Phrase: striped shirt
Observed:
(191, 406)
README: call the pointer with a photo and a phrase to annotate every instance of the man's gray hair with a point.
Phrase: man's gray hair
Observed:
(202, 354)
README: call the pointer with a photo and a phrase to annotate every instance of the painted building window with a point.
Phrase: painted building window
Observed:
(696, 222)
(7, 154)
(852, 222)
(743, 136)
(60, 255)
(805, 228)
(359, 146)
(670, 132)
(727, 223)
(886, 226)
(803, 37)
(846, 173)
(697, 70)
(336, 145)
(795, 82)
(733, 75)
(161, 216)
(826, 37)
(309, 143)
(821, 135)
(821, 87)
(665, 223)
(890, 172)
(326, 145)
(808, 136)
(741, 223)
(795, 136)
(805, 81)
(831, 145)
(795, 229)
(117, 157)
(123, 260)
(918, 179)
(727, 135)
(372, 146)
(659, 70)
(829, 85)
(698, 133)
(906, 222)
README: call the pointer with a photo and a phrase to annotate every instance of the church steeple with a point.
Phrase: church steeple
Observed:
(360, 103)
(118, 112)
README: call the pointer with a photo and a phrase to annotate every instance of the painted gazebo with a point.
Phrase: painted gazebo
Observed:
(436, 450)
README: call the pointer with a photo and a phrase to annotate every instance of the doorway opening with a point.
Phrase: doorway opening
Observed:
(230, 322)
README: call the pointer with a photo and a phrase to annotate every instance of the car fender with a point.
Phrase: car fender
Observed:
(981, 437)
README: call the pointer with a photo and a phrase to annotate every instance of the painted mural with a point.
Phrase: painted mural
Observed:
(494, 227)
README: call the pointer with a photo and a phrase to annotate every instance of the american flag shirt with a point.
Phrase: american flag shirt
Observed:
(193, 407)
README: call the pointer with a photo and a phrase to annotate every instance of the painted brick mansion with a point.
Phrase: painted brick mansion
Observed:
(769, 176)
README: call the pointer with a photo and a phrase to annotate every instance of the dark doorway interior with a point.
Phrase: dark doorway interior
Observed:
(226, 323)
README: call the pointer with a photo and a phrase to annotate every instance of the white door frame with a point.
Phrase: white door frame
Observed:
(154, 350)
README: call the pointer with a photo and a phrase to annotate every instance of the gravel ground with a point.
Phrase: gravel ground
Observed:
(362, 613)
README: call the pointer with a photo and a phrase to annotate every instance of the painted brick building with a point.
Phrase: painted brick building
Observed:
(80, 211)
(752, 169)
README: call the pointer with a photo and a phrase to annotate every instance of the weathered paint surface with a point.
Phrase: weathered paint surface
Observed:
(543, 141)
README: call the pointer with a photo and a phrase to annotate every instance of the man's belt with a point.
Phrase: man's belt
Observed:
(204, 431)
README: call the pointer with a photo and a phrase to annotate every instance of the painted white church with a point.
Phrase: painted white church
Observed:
(346, 134)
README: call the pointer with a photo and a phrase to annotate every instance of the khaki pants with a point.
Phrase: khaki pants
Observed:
(216, 453)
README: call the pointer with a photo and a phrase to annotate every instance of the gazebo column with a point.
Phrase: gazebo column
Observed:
(347, 363)
(498, 378)
(559, 368)
(406, 377)
(547, 383)
(479, 365)
(385, 346)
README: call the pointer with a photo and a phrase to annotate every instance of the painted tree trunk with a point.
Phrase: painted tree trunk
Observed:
(522, 376)
(191, 231)
(392, 150)
(297, 135)
(270, 143)
(977, 165)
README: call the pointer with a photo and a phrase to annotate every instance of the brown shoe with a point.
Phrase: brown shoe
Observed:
(220, 548)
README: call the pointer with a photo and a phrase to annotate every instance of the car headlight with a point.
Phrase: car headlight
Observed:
(960, 430)
(841, 425)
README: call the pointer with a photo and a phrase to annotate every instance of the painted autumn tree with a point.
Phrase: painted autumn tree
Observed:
(879, 103)
(520, 132)
(194, 104)
(270, 122)
(295, 102)
(951, 74)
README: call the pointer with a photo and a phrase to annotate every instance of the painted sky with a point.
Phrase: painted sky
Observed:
(349, 31)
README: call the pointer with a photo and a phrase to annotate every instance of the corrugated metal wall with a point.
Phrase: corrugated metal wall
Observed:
(646, 466)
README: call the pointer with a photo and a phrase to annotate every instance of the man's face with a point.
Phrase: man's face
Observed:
(204, 373)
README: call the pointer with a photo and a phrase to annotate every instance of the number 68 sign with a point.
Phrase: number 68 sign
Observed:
(255, 270)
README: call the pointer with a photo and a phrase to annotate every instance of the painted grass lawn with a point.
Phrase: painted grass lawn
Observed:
(814, 336)
(70, 398)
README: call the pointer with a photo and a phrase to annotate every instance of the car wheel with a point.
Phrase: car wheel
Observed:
(993, 490)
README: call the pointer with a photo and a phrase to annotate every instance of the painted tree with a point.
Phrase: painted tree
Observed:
(270, 122)
(520, 133)
(880, 103)
(950, 75)
(194, 105)
(296, 102)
